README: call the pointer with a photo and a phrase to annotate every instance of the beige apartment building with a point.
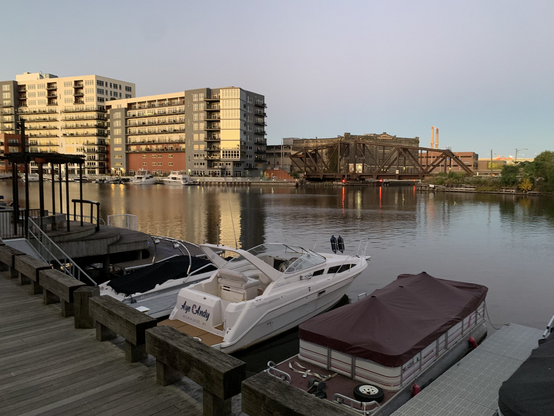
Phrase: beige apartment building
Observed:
(65, 115)
(205, 132)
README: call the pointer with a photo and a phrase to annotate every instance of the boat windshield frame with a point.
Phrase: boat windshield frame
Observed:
(295, 258)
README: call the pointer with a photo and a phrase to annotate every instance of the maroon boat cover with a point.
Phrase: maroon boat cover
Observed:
(396, 322)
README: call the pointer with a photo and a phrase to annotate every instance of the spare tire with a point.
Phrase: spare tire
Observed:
(368, 393)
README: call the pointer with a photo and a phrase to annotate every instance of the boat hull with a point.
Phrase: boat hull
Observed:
(275, 322)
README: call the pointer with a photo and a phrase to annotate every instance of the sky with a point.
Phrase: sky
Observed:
(482, 71)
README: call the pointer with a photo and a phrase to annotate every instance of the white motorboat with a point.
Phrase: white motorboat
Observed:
(32, 177)
(178, 178)
(262, 292)
(143, 177)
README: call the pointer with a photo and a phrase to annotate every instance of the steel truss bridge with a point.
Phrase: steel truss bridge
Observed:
(358, 160)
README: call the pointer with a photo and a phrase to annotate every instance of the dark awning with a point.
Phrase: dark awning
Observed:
(396, 322)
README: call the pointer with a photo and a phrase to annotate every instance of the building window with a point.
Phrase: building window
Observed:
(100, 83)
(6, 87)
(68, 100)
(89, 82)
(128, 89)
(6, 95)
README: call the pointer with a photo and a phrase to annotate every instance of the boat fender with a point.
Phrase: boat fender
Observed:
(333, 244)
(472, 343)
(340, 244)
(415, 389)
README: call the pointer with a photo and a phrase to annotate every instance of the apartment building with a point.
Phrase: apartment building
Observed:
(205, 132)
(64, 115)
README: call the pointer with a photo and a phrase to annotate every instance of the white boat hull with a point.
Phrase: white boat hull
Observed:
(280, 319)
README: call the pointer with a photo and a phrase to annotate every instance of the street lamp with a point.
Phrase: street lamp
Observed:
(517, 150)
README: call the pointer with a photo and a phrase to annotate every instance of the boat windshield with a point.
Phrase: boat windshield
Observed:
(284, 257)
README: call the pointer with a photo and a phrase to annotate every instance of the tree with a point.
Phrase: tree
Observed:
(509, 175)
(543, 170)
(525, 185)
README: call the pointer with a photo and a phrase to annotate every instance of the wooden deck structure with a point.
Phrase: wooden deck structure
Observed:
(49, 368)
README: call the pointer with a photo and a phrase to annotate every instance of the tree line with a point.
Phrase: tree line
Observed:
(537, 175)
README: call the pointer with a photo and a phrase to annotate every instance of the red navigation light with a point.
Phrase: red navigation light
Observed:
(344, 181)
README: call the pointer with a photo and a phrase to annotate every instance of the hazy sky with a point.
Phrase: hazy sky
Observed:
(482, 71)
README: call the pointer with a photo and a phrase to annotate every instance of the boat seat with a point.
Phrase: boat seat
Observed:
(236, 286)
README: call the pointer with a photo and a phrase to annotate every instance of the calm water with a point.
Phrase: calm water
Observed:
(503, 242)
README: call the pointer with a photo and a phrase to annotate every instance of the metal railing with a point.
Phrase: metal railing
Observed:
(54, 255)
(81, 216)
(9, 227)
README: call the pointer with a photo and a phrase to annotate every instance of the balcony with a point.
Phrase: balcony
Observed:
(213, 126)
(79, 93)
(37, 111)
(51, 87)
(34, 127)
(88, 108)
(213, 117)
(40, 119)
(213, 138)
(260, 103)
(213, 148)
(22, 88)
(43, 136)
(213, 107)
(214, 97)
(52, 96)
(86, 117)
(78, 85)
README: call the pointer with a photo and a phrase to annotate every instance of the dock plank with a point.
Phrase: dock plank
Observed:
(47, 367)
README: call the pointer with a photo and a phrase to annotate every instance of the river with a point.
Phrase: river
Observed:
(505, 242)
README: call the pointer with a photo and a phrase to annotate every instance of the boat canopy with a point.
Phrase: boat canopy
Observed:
(396, 322)
(529, 390)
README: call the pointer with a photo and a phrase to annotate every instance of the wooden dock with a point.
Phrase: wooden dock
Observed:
(49, 368)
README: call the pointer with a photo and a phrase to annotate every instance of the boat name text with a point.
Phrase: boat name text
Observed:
(195, 310)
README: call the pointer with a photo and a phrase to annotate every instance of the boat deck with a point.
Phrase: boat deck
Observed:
(206, 337)
(470, 388)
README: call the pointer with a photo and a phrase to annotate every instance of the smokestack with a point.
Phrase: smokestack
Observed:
(432, 137)
(437, 139)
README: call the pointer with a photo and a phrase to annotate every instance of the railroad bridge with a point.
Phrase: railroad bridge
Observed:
(365, 160)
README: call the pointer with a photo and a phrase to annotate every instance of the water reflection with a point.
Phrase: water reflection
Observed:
(502, 241)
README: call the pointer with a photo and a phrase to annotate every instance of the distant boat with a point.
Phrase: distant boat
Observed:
(179, 178)
(143, 177)
(31, 177)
